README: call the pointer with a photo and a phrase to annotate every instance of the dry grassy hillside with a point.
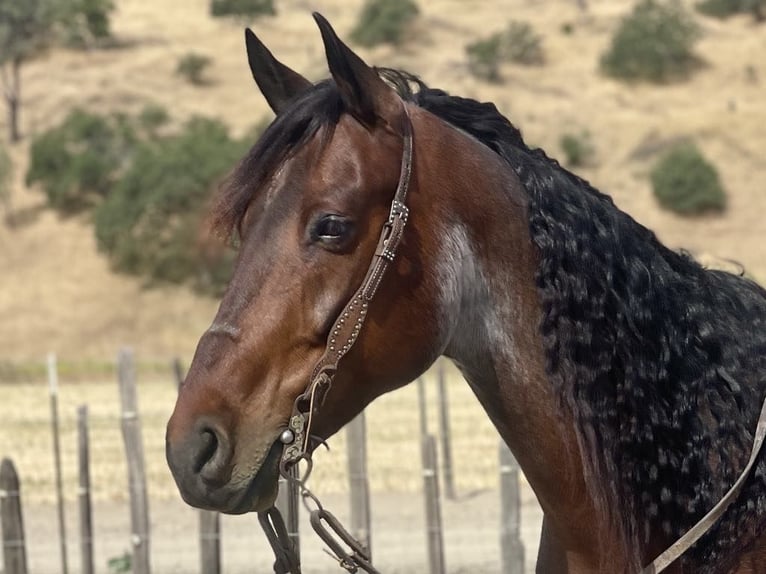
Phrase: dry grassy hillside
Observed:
(57, 293)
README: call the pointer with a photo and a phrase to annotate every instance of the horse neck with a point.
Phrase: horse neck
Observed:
(489, 266)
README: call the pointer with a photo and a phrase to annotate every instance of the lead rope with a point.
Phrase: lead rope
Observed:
(327, 527)
(335, 536)
(698, 530)
(287, 559)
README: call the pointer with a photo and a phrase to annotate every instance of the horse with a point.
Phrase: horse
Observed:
(624, 376)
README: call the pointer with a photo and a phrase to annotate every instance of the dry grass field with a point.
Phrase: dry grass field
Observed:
(392, 430)
(57, 293)
(471, 534)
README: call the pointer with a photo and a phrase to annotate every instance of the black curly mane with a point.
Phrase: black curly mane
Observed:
(661, 362)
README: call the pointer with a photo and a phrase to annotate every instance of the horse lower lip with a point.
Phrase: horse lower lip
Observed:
(265, 478)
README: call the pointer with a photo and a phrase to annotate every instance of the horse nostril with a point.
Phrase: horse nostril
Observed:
(212, 454)
(205, 450)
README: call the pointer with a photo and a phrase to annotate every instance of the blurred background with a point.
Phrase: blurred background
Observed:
(120, 117)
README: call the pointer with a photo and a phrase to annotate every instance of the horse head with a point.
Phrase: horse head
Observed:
(308, 202)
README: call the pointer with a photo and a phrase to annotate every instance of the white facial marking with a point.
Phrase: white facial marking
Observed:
(461, 286)
(477, 324)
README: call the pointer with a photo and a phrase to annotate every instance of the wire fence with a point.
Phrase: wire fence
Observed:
(474, 529)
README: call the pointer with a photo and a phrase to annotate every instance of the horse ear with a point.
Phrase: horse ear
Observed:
(278, 83)
(365, 94)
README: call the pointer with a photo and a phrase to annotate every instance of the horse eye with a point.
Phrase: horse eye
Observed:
(331, 228)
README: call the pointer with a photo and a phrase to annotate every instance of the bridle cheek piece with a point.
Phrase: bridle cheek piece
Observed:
(349, 322)
(297, 436)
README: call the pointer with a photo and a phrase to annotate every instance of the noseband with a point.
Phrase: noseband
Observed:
(343, 335)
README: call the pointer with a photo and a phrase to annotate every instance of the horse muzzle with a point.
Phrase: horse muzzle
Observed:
(203, 465)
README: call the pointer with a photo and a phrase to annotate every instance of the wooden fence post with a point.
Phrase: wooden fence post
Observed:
(444, 433)
(209, 520)
(11, 521)
(86, 513)
(511, 546)
(433, 508)
(134, 450)
(209, 542)
(422, 407)
(53, 388)
(356, 441)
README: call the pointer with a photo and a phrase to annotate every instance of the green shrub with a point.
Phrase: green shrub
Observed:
(121, 563)
(150, 224)
(192, 67)
(384, 21)
(655, 43)
(484, 58)
(244, 8)
(578, 149)
(726, 8)
(85, 22)
(96, 14)
(77, 162)
(152, 118)
(149, 190)
(685, 182)
(518, 43)
(522, 45)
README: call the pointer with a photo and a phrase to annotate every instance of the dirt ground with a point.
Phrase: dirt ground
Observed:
(471, 536)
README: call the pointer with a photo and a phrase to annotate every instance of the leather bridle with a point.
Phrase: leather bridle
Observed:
(348, 324)
(343, 334)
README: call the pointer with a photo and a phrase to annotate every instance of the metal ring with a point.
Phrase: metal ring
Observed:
(307, 495)
(286, 469)
(309, 467)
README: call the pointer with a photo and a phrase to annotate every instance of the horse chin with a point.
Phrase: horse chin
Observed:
(261, 492)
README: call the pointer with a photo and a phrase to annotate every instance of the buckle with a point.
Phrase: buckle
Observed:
(398, 209)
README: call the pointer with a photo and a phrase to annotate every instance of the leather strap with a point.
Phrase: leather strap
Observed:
(348, 324)
(698, 530)
(287, 559)
(343, 335)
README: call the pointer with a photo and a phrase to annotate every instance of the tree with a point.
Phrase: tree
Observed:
(150, 223)
(25, 30)
(146, 186)
(78, 162)
(28, 27)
